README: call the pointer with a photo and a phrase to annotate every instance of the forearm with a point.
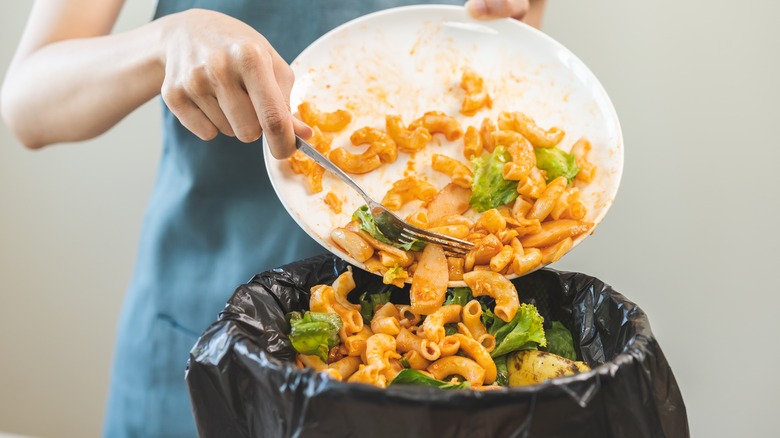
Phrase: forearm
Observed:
(77, 89)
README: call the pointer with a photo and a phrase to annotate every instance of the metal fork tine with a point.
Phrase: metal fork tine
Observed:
(450, 245)
(449, 250)
(423, 234)
(420, 232)
(440, 238)
(447, 247)
(396, 229)
(405, 240)
(451, 253)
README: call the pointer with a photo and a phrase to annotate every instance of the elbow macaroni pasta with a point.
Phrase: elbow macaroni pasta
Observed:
(537, 228)
(527, 127)
(302, 164)
(498, 287)
(380, 143)
(437, 122)
(407, 140)
(394, 337)
(581, 149)
(333, 202)
(386, 320)
(472, 143)
(459, 365)
(461, 175)
(476, 97)
(355, 163)
(433, 325)
(406, 190)
(329, 122)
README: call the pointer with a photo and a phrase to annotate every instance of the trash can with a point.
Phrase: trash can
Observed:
(243, 381)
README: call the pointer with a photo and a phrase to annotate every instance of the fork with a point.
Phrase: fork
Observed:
(393, 227)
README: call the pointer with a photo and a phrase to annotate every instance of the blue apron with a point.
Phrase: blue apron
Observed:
(212, 222)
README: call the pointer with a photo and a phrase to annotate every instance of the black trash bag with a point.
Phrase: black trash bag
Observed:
(243, 381)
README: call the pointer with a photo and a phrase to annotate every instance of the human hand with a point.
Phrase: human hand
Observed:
(223, 76)
(490, 9)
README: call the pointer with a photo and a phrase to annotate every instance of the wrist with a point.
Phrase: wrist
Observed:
(162, 31)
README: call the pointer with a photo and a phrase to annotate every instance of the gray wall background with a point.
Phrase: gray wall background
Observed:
(692, 236)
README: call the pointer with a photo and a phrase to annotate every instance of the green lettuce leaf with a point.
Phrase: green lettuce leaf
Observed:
(502, 378)
(395, 273)
(370, 302)
(489, 189)
(450, 329)
(363, 215)
(314, 333)
(560, 341)
(413, 377)
(491, 322)
(458, 295)
(556, 163)
(523, 332)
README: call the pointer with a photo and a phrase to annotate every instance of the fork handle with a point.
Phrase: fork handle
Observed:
(323, 161)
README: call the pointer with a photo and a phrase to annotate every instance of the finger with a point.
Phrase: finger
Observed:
(239, 111)
(211, 108)
(487, 9)
(189, 115)
(302, 130)
(270, 105)
(285, 76)
(286, 79)
(192, 118)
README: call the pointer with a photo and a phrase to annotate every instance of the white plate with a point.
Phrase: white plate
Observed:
(409, 60)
